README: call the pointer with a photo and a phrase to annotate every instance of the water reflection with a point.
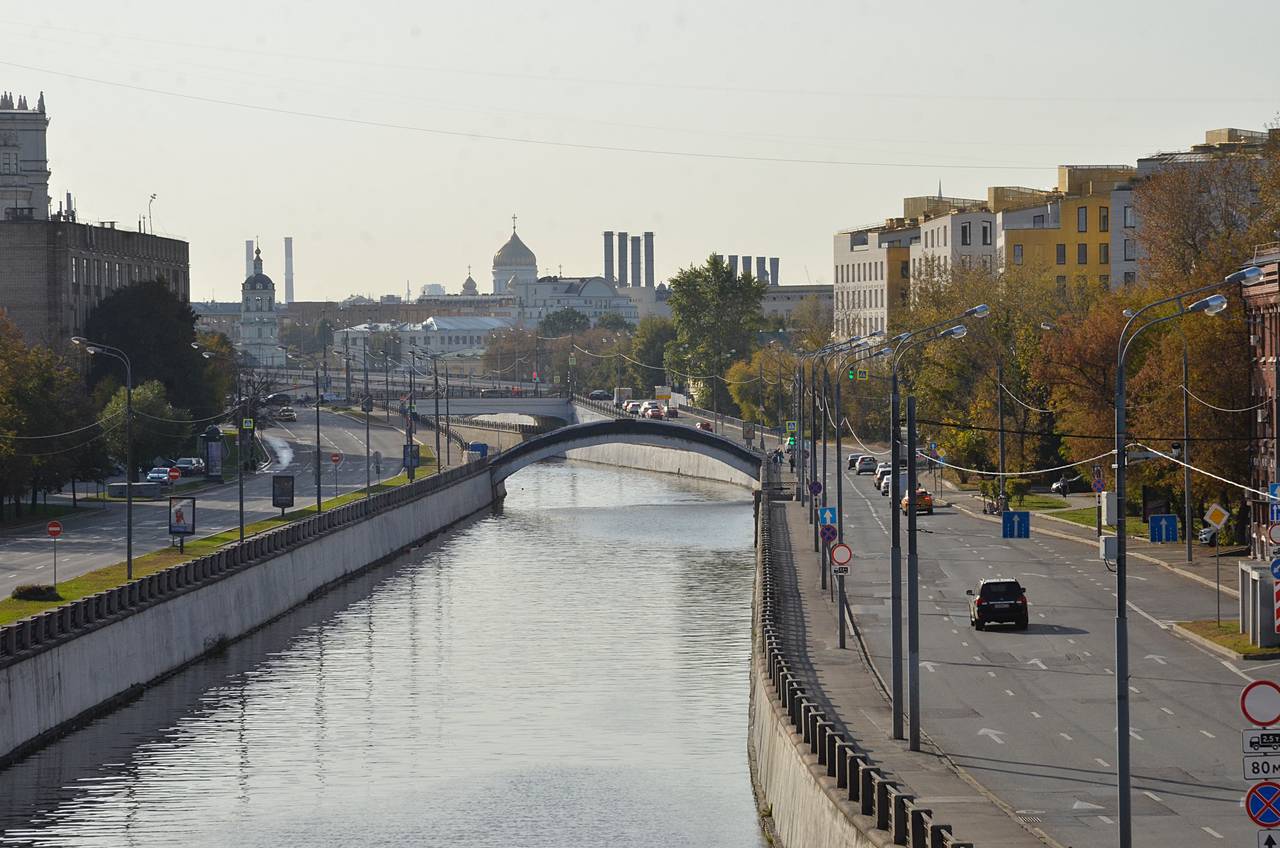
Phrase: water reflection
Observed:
(570, 672)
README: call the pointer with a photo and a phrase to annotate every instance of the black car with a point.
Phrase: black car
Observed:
(600, 394)
(998, 601)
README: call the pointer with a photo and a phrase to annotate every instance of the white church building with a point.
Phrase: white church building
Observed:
(259, 335)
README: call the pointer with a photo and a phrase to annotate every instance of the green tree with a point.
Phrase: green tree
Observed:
(156, 329)
(812, 320)
(159, 428)
(564, 322)
(613, 321)
(649, 350)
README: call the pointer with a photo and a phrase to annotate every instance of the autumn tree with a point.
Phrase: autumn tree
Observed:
(159, 428)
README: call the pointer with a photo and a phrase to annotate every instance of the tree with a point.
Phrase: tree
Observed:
(564, 322)
(812, 320)
(159, 428)
(155, 329)
(715, 313)
(761, 386)
(613, 321)
(649, 352)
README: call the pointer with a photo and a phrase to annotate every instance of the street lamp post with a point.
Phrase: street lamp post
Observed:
(1211, 305)
(94, 348)
(319, 463)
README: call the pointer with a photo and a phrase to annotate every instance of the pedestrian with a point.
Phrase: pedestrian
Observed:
(792, 459)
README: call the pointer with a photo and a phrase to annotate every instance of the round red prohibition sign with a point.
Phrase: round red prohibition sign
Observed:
(1260, 703)
(335, 458)
(841, 555)
(54, 529)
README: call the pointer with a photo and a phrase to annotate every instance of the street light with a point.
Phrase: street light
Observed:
(1210, 305)
(319, 463)
(240, 415)
(93, 349)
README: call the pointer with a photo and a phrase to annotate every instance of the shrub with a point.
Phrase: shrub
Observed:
(1017, 488)
(35, 592)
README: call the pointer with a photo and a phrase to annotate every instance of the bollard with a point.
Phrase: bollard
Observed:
(900, 804)
(938, 834)
(920, 818)
(882, 807)
(843, 758)
(866, 787)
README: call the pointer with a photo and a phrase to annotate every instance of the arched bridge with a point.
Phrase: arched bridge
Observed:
(638, 431)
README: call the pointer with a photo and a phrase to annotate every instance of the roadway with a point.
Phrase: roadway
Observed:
(94, 536)
(1031, 714)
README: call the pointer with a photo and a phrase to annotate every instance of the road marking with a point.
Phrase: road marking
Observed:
(1037, 663)
(1212, 832)
(1207, 733)
(1237, 671)
(1009, 692)
(993, 735)
(1087, 654)
(928, 666)
(991, 674)
(953, 630)
(1040, 614)
(1134, 690)
(1153, 796)
(1108, 671)
(1157, 658)
(1106, 820)
(1102, 762)
(1036, 714)
(1065, 736)
(1086, 805)
(1166, 711)
(1071, 641)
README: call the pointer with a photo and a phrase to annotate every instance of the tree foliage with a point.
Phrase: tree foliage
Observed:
(564, 322)
(160, 430)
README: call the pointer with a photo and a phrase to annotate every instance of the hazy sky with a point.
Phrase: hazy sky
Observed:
(375, 137)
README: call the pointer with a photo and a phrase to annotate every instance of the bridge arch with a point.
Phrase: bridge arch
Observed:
(639, 431)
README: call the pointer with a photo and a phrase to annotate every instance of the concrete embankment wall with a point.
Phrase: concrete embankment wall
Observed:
(67, 664)
(648, 458)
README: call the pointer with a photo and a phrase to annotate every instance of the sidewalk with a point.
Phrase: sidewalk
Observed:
(848, 689)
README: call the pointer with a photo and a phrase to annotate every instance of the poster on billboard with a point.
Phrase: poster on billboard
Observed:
(282, 491)
(662, 393)
(182, 516)
(213, 461)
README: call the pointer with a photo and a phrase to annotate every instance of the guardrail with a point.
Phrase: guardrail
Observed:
(22, 639)
(874, 793)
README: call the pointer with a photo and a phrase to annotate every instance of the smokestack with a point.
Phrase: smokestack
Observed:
(248, 258)
(733, 264)
(774, 279)
(288, 270)
(648, 260)
(608, 256)
(635, 260)
(746, 265)
(622, 260)
(761, 273)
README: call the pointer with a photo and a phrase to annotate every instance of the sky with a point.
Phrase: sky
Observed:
(395, 140)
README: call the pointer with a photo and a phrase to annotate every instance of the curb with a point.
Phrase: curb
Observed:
(1182, 572)
(1220, 650)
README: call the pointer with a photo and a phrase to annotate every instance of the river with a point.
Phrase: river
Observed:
(569, 672)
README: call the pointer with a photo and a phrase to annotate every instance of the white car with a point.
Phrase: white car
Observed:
(886, 483)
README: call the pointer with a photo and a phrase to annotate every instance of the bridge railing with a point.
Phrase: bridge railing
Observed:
(40, 632)
(871, 791)
(604, 407)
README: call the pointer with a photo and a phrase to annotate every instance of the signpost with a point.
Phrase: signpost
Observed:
(282, 492)
(826, 515)
(1262, 804)
(841, 555)
(1015, 524)
(175, 474)
(1217, 516)
(54, 529)
(336, 459)
(1273, 533)
(1274, 491)
(182, 519)
(1260, 705)
(1163, 528)
(246, 424)
(815, 488)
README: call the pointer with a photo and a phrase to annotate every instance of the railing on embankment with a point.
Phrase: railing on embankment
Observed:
(865, 797)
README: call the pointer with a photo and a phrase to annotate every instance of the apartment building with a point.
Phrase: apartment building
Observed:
(872, 276)
(955, 232)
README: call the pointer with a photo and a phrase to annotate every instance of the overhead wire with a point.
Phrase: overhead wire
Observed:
(98, 423)
(1204, 402)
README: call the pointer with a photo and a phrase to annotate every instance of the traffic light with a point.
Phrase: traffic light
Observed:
(853, 374)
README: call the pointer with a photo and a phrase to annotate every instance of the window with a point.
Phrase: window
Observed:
(1082, 219)
(1130, 249)
(1037, 220)
(1061, 281)
(1017, 254)
(1082, 254)
(986, 233)
(1129, 219)
(8, 162)
(905, 269)
(1060, 254)
(1105, 279)
(965, 239)
(944, 236)
(1104, 253)
(1104, 219)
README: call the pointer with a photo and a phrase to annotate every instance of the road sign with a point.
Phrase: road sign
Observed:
(335, 458)
(1267, 838)
(791, 426)
(573, 360)
(826, 515)
(862, 374)
(1163, 528)
(1260, 703)
(246, 424)
(815, 488)
(1275, 568)
(841, 555)
(1097, 487)
(828, 533)
(54, 529)
(840, 570)
(1274, 490)
(1256, 741)
(1217, 516)
(1015, 524)
(1261, 766)
(1262, 804)
(1273, 533)
(175, 473)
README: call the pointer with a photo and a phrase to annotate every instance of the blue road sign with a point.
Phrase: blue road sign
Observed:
(791, 426)
(1274, 489)
(1275, 568)
(828, 533)
(1263, 804)
(1015, 524)
(815, 488)
(1097, 486)
(826, 515)
(1163, 528)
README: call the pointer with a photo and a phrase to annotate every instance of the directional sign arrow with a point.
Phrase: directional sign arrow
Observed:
(1037, 663)
(1157, 658)
(1269, 842)
(928, 666)
(1085, 805)
(993, 735)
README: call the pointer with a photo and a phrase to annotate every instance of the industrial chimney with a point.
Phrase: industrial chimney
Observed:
(248, 258)
(608, 256)
(774, 279)
(622, 260)
(648, 260)
(746, 265)
(288, 269)
(635, 260)
(733, 264)
(761, 272)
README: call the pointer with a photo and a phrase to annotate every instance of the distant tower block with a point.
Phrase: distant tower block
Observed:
(774, 279)
(622, 260)
(608, 256)
(648, 260)
(761, 272)
(733, 264)
(288, 269)
(635, 261)
(248, 258)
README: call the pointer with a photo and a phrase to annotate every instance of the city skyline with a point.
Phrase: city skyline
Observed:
(386, 166)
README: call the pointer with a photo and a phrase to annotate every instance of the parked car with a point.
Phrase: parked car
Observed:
(998, 601)
(190, 465)
(286, 413)
(853, 460)
(671, 411)
(159, 474)
(924, 502)
(1207, 535)
(866, 465)
(654, 412)
(704, 425)
(600, 394)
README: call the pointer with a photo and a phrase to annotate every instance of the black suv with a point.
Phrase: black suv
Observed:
(998, 601)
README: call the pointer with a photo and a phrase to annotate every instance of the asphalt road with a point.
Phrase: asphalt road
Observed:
(94, 537)
(1031, 714)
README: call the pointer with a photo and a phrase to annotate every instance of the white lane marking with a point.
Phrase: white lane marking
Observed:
(1134, 690)
(1040, 614)
(993, 735)
(928, 666)
(1009, 692)
(953, 630)
(1108, 671)
(1037, 663)
(1157, 658)
(991, 674)
(1071, 641)
(1166, 711)
(1087, 654)
(1237, 671)
(1207, 733)
(1153, 796)
(977, 659)
(1064, 736)
(1211, 832)
(964, 644)
(1102, 762)
(1085, 805)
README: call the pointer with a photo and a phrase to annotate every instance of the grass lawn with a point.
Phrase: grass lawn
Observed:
(1225, 634)
(40, 514)
(1039, 502)
(114, 575)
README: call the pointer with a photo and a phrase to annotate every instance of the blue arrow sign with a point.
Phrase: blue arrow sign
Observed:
(1274, 489)
(1015, 524)
(1163, 528)
(1275, 568)
(827, 515)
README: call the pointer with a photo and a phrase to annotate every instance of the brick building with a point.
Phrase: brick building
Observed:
(1262, 314)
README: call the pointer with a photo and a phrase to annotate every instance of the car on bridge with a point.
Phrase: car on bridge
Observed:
(671, 411)
(882, 470)
(853, 460)
(704, 425)
(632, 407)
(600, 394)
(654, 412)
(998, 601)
